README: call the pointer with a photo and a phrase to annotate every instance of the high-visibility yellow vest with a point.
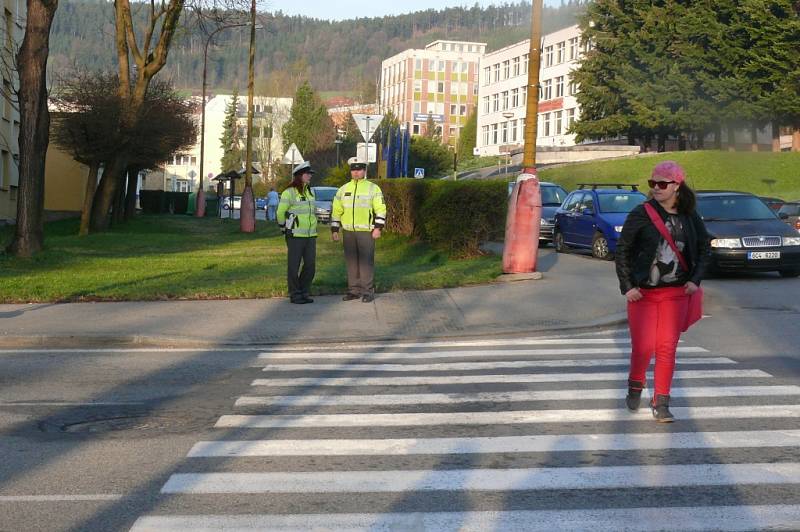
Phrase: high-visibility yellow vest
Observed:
(299, 208)
(358, 206)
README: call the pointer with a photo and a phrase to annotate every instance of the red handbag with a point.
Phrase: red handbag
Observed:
(695, 311)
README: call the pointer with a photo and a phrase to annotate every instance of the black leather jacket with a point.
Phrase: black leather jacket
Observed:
(638, 244)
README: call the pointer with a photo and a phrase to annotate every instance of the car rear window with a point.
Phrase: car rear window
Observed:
(553, 195)
(724, 208)
(791, 209)
(622, 202)
(325, 194)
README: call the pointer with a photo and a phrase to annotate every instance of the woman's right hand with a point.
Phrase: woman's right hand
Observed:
(633, 295)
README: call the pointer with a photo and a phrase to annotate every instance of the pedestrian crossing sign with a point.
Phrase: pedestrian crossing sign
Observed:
(419, 173)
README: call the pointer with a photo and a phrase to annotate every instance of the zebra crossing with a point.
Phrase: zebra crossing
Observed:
(505, 434)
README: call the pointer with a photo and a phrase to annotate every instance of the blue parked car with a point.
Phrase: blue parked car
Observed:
(592, 218)
(261, 204)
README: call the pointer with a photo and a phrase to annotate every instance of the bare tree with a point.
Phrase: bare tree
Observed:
(31, 60)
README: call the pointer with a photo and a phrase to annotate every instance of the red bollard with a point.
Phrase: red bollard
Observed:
(522, 224)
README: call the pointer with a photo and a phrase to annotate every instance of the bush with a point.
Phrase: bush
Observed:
(160, 202)
(458, 217)
(453, 216)
(431, 155)
(337, 176)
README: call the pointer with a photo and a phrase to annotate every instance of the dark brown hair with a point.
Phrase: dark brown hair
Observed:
(687, 200)
(297, 182)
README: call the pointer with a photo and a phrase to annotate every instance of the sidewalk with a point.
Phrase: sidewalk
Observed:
(575, 293)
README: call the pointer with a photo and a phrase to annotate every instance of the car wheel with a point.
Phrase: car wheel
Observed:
(558, 242)
(600, 247)
(789, 273)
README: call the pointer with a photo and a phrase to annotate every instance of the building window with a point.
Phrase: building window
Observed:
(546, 124)
(495, 103)
(573, 88)
(494, 133)
(570, 117)
(496, 69)
(486, 105)
(453, 109)
(462, 110)
(573, 48)
(525, 61)
(557, 119)
(525, 95)
(514, 97)
(548, 56)
(512, 125)
(194, 159)
(417, 107)
(415, 129)
(559, 86)
(548, 90)
(516, 66)
(418, 64)
(417, 85)
(440, 87)
(562, 52)
(504, 133)
(505, 100)
(506, 69)
(441, 66)
(487, 75)
(485, 135)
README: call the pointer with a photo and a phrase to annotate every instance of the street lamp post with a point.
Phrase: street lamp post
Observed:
(532, 104)
(200, 207)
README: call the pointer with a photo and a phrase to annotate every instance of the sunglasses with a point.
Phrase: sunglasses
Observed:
(660, 184)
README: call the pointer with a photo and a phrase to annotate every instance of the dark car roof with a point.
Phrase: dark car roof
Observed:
(610, 191)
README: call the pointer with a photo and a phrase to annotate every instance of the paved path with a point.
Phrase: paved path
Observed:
(420, 436)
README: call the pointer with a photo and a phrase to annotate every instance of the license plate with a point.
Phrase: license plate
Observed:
(761, 255)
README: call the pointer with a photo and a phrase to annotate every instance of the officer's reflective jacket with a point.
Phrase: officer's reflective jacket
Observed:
(358, 206)
(297, 209)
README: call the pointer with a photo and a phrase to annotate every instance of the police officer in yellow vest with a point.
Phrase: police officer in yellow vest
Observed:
(359, 210)
(298, 222)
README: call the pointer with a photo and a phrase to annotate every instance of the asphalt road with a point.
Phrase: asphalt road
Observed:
(89, 440)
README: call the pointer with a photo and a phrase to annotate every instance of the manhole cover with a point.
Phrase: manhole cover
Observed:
(109, 424)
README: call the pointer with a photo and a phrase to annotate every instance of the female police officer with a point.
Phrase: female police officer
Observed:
(298, 222)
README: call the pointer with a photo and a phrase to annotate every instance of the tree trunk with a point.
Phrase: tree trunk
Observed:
(662, 142)
(753, 138)
(681, 142)
(776, 137)
(91, 186)
(796, 138)
(106, 193)
(130, 196)
(731, 138)
(118, 210)
(718, 137)
(34, 132)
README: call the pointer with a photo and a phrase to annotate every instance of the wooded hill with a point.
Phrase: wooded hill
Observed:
(333, 55)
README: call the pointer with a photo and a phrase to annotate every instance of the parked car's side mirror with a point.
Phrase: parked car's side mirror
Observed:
(783, 216)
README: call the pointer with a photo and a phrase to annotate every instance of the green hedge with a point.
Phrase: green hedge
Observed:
(453, 216)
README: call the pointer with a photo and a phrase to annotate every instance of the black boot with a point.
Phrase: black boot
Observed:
(660, 408)
(634, 395)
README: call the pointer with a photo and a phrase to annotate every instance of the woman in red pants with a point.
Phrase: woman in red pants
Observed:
(657, 282)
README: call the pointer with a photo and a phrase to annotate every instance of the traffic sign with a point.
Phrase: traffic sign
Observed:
(370, 154)
(293, 155)
(367, 124)
(419, 173)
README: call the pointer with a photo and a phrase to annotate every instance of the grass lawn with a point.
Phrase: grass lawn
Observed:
(765, 174)
(180, 257)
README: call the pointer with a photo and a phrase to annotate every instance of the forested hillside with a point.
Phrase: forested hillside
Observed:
(333, 55)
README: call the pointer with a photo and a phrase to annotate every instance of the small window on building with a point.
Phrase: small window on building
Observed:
(485, 135)
(561, 55)
(495, 103)
(505, 100)
(415, 129)
(494, 133)
(514, 97)
(559, 86)
(548, 56)
(487, 75)
(557, 123)
(506, 69)
(515, 68)
(486, 105)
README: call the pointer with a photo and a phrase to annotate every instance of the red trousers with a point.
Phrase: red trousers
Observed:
(655, 323)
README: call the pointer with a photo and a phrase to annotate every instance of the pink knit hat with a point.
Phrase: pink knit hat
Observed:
(670, 170)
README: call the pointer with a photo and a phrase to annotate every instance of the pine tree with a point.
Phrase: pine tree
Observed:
(468, 137)
(309, 125)
(231, 150)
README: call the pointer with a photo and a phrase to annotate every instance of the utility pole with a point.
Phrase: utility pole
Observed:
(532, 104)
(247, 208)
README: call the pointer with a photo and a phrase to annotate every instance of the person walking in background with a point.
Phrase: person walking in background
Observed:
(661, 258)
(298, 222)
(272, 205)
(359, 210)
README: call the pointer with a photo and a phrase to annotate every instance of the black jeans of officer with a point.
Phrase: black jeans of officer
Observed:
(359, 254)
(301, 250)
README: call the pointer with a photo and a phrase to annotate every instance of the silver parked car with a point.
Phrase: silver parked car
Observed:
(323, 202)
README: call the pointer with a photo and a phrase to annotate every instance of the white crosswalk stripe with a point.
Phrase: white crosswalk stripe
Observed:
(355, 461)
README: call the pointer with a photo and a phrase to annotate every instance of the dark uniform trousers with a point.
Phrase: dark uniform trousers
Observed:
(359, 254)
(305, 250)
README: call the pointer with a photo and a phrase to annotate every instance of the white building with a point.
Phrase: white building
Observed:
(182, 174)
(12, 32)
(503, 94)
(440, 81)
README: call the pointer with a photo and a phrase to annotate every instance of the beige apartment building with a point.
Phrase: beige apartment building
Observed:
(12, 32)
(439, 81)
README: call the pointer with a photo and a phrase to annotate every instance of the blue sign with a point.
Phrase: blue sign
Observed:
(423, 117)
(419, 173)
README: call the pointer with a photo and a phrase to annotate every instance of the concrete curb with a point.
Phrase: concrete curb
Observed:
(151, 341)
